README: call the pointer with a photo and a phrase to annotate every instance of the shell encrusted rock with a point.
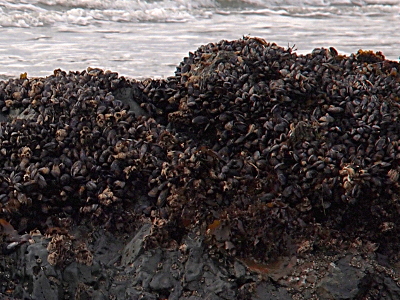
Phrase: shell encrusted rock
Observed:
(261, 151)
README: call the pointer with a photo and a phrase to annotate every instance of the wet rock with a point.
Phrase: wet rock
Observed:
(40, 279)
(391, 290)
(128, 95)
(267, 291)
(344, 281)
(194, 264)
(135, 246)
(170, 272)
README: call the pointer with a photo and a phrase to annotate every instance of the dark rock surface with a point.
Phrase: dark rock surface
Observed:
(126, 270)
(122, 272)
(253, 173)
(344, 281)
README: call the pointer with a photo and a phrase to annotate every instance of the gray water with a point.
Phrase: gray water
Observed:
(149, 38)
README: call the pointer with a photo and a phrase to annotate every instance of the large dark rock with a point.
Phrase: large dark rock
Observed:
(344, 281)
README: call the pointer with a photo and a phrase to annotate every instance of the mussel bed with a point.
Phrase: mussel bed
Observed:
(260, 150)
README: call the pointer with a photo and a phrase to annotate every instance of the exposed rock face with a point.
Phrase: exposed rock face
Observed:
(253, 173)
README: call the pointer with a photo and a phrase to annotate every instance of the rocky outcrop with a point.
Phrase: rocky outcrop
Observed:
(253, 173)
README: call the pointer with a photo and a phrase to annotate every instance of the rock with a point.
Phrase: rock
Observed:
(240, 270)
(128, 95)
(164, 272)
(391, 290)
(185, 273)
(253, 173)
(39, 280)
(135, 246)
(267, 291)
(194, 264)
(344, 281)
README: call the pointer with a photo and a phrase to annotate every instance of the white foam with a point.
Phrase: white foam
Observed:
(91, 12)
(36, 13)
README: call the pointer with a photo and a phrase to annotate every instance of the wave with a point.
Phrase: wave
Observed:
(38, 13)
(92, 12)
(318, 8)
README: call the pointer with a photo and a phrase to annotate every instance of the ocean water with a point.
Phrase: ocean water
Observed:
(142, 39)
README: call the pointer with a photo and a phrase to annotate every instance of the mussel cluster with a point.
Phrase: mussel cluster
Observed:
(259, 149)
(66, 147)
(283, 150)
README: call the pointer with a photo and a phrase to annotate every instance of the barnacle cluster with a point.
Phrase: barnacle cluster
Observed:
(259, 149)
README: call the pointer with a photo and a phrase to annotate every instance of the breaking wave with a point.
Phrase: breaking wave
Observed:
(38, 13)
